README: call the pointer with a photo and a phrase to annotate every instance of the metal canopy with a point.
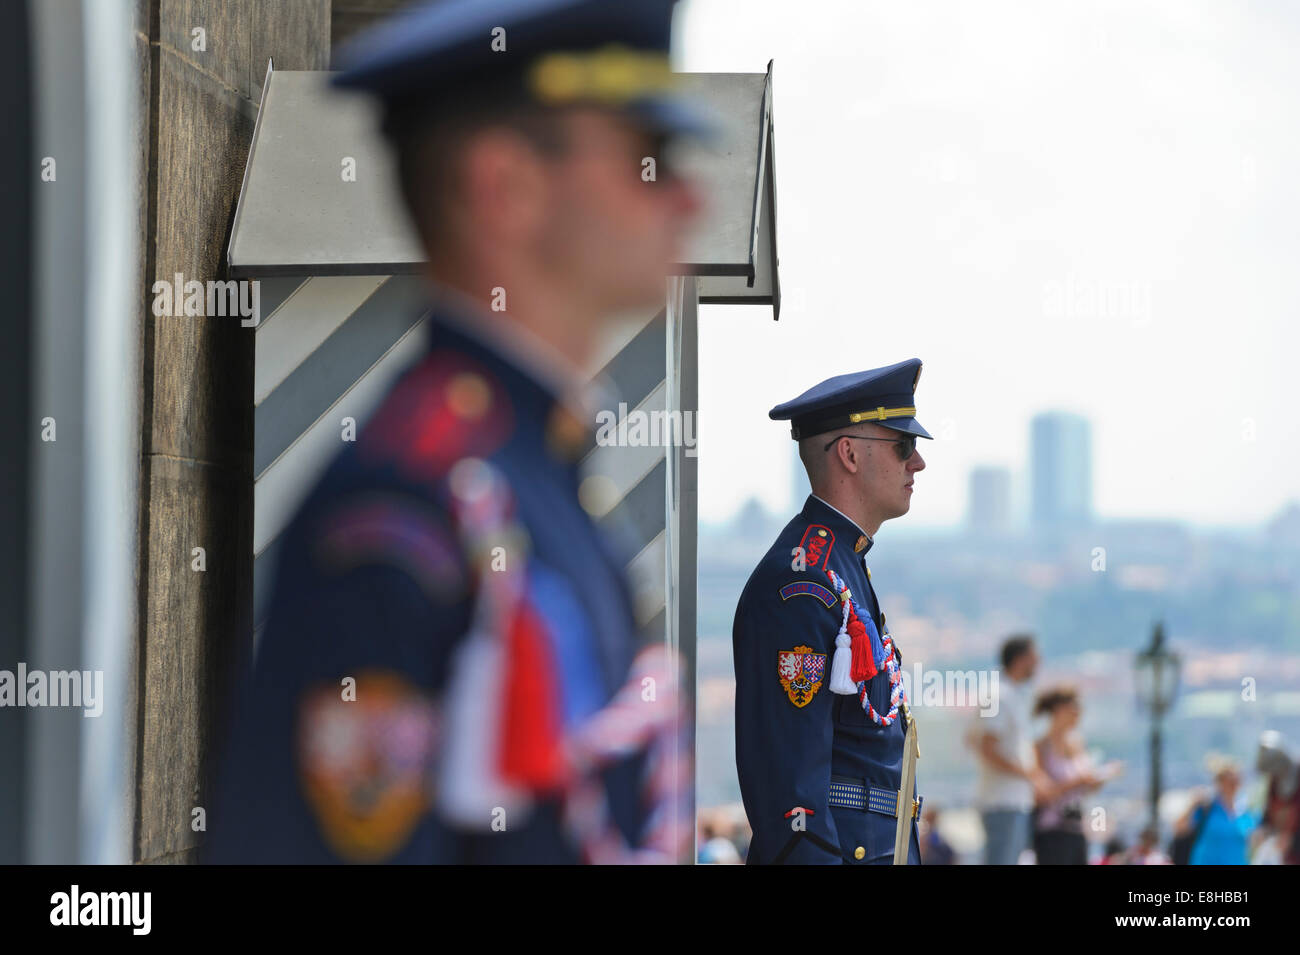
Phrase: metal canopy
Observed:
(298, 215)
(733, 250)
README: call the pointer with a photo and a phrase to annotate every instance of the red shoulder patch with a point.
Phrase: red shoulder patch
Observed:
(444, 409)
(816, 544)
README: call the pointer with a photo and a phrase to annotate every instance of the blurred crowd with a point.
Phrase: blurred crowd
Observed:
(1032, 794)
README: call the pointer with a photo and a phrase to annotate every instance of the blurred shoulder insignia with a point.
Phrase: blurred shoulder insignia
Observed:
(444, 409)
(393, 530)
(817, 542)
(801, 672)
(364, 758)
(810, 588)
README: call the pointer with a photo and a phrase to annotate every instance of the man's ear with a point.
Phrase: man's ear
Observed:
(849, 456)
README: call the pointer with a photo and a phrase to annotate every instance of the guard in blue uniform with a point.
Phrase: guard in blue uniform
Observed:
(820, 710)
(449, 670)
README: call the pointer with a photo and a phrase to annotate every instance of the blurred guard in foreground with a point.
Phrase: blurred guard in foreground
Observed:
(447, 671)
(820, 710)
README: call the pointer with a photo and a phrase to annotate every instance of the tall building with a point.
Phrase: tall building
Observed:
(1060, 450)
(989, 500)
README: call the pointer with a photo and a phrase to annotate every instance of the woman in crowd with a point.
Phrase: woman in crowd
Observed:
(1058, 817)
(1220, 822)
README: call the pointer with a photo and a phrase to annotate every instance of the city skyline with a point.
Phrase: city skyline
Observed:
(985, 483)
(1085, 208)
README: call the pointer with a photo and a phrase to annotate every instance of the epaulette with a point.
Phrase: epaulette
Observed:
(445, 409)
(809, 561)
(816, 544)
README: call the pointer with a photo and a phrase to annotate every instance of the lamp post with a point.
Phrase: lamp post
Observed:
(1156, 673)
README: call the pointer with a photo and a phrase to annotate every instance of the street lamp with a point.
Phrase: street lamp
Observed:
(1157, 685)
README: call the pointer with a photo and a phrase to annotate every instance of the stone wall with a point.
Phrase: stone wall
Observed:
(200, 94)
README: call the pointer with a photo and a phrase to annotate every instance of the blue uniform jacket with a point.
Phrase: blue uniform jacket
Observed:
(790, 742)
(374, 585)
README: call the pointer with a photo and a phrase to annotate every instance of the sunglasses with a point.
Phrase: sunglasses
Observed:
(903, 446)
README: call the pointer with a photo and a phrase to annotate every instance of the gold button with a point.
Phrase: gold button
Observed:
(859, 852)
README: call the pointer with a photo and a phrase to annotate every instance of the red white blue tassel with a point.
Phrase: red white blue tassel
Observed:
(842, 662)
(853, 648)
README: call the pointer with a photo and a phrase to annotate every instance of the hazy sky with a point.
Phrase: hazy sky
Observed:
(1086, 206)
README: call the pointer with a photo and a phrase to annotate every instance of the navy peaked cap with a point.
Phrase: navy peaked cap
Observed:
(556, 52)
(885, 396)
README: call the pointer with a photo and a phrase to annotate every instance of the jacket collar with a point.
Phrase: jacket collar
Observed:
(554, 401)
(524, 352)
(818, 511)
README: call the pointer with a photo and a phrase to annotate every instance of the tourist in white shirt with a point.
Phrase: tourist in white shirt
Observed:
(1009, 777)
